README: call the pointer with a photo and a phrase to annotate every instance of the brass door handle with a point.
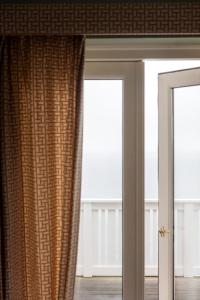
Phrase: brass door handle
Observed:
(163, 231)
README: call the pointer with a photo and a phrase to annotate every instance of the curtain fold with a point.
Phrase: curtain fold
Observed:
(40, 165)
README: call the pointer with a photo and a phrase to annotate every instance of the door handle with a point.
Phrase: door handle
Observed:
(163, 231)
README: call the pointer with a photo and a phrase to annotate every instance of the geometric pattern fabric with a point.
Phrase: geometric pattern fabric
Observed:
(41, 119)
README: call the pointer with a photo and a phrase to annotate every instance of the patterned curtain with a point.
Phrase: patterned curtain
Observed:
(40, 107)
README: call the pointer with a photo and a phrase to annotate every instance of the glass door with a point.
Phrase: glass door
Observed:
(179, 188)
(108, 264)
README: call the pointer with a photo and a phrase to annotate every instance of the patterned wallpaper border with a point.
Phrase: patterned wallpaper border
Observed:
(101, 19)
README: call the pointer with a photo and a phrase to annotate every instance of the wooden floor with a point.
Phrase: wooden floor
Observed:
(109, 288)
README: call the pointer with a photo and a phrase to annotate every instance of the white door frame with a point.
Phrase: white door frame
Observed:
(166, 83)
(133, 167)
(131, 49)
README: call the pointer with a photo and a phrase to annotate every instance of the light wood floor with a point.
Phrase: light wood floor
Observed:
(109, 288)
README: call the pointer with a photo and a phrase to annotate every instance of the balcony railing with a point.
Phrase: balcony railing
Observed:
(100, 238)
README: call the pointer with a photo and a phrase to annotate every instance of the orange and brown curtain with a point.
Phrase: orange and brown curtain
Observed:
(40, 122)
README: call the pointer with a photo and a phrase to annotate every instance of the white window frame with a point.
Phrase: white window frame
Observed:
(107, 50)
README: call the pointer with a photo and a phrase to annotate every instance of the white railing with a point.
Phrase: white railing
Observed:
(100, 238)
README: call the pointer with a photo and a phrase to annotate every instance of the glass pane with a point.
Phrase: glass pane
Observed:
(187, 192)
(102, 152)
(99, 266)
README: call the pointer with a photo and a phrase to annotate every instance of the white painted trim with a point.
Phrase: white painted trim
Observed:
(99, 200)
(165, 190)
(138, 42)
(148, 200)
(129, 49)
(132, 74)
(166, 83)
(133, 183)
